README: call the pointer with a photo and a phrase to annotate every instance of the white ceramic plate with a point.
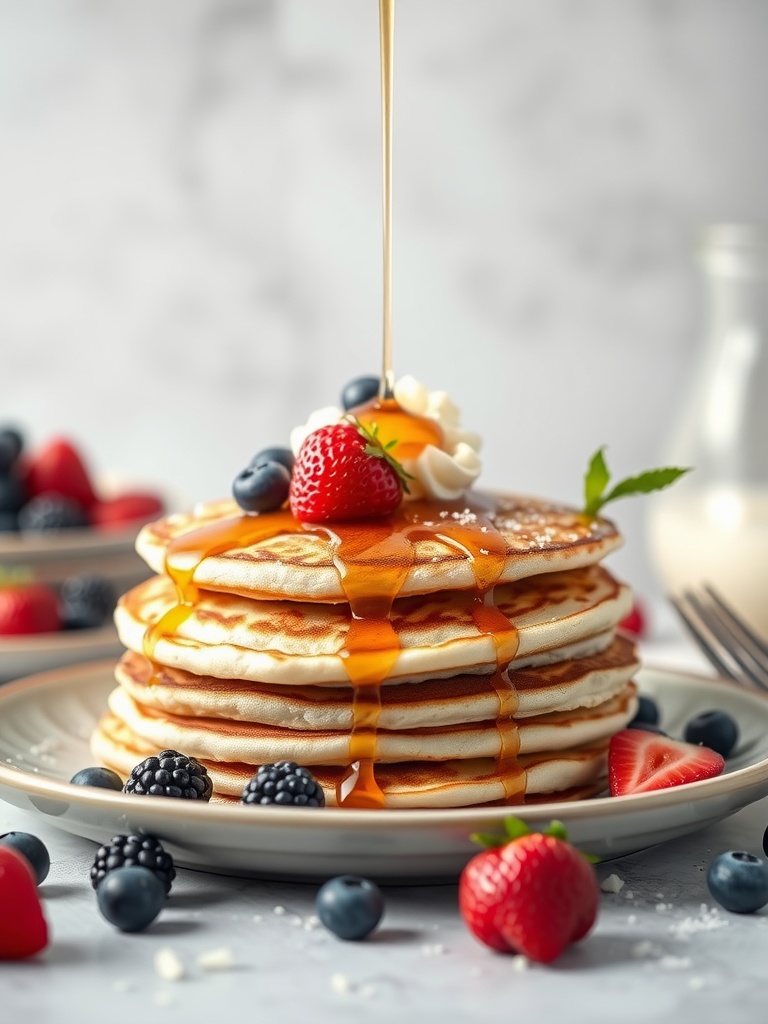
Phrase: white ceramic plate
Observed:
(51, 557)
(39, 652)
(45, 722)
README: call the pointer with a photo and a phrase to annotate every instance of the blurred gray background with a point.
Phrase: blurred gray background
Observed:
(190, 222)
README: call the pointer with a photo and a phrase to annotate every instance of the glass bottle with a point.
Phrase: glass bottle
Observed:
(712, 526)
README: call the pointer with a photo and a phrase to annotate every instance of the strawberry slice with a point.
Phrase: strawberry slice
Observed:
(640, 761)
(58, 468)
(132, 508)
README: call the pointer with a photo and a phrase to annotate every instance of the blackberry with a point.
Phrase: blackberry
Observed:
(170, 773)
(48, 512)
(87, 601)
(286, 784)
(133, 851)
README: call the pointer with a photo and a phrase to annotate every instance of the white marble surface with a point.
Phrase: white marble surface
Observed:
(662, 951)
(190, 211)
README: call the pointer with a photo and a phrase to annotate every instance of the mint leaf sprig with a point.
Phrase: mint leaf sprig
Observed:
(598, 477)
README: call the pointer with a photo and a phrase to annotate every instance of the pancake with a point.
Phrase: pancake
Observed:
(563, 686)
(422, 785)
(225, 740)
(277, 557)
(231, 637)
(449, 654)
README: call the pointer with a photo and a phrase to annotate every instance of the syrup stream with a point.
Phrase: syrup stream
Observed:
(387, 27)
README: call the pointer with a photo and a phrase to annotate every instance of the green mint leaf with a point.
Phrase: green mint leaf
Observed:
(595, 482)
(644, 483)
(597, 477)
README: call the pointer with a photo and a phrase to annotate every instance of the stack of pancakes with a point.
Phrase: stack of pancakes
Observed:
(456, 654)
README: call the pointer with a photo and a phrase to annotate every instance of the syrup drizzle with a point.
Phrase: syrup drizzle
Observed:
(373, 559)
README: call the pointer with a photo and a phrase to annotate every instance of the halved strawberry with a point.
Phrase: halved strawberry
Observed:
(58, 468)
(133, 508)
(640, 761)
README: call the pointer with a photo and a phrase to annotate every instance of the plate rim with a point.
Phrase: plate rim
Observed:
(333, 818)
(62, 639)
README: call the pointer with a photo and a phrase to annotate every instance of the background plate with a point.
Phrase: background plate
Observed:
(38, 652)
(45, 722)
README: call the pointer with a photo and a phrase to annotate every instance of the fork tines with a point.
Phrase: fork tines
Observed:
(726, 640)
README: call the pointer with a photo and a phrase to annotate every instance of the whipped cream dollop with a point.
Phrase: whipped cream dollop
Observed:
(442, 474)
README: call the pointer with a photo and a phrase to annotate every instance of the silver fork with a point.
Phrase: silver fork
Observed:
(725, 639)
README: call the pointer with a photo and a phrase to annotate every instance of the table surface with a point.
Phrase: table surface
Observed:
(661, 950)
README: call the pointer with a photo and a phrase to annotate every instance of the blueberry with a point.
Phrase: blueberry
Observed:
(87, 601)
(713, 729)
(359, 391)
(739, 881)
(101, 778)
(33, 849)
(11, 443)
(647, 727)
(262, 487)
(282, 455)
(13, 493)
(350, 907)
(130, 898)
(647, 711)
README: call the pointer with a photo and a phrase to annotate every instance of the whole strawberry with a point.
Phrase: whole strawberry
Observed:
(58, 468)
(343, 471)
(23, 928)
(27, 608)
(535, 894)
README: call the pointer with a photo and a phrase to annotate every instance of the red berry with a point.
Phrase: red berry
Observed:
(59, 469)
(634, 623)
(641, 761)
(136, 507)
(343, 471)
(28, 608)
(535, 895)
(23, 930)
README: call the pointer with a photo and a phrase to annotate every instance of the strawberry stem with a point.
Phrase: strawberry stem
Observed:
(378, 450)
